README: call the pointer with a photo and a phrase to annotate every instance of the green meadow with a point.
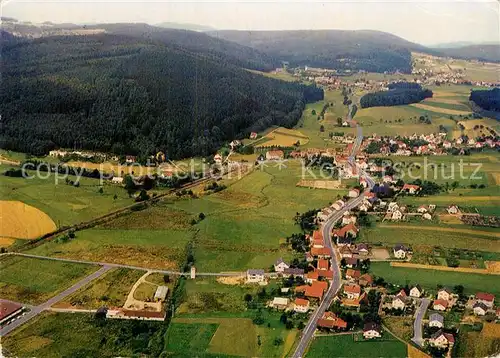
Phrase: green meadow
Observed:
(33, 281)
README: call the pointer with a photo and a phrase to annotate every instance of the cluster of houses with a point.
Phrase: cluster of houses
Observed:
(435, 144)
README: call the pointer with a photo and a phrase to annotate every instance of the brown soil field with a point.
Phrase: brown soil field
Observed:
(453, 112)
(320, 184)
(416, 353)
(21, 221)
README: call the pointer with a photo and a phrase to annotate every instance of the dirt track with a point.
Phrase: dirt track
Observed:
(445, 229)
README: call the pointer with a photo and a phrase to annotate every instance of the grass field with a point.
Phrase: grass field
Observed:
(79, 335)
(21, 221)
(244, 223)
(400, 326)
(392, 234)
(161, 249)
(64, 204)
(110, 290)
(429, 279)
(33, 281)
(346, 346)
(189, 338)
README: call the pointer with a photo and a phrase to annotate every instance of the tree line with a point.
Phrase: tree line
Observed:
(399, 93)
(487, 99)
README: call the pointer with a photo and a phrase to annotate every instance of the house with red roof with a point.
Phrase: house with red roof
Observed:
(352, 275)
(321, 252)
(316, 290)
(440, 305)
(331, 321)
(323, 265)
(487, 299)
(301, 305)
(312, 276)
(410, 188)
(352, 291)
(349, 229)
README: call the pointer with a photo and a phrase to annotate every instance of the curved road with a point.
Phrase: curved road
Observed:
(308, 332)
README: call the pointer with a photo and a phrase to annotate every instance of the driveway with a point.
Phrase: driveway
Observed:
(417, 324)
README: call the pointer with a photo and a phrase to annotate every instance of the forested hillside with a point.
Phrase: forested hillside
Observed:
(399, 93)
(487, 53)
(487, 99)
(135, 96)
(373, 51)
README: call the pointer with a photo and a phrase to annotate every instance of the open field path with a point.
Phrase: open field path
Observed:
(108, 264)
(444, 229)
(47, 304)
(444, 268)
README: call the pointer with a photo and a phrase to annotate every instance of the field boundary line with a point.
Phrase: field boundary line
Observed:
(444, 229)
(443, 268)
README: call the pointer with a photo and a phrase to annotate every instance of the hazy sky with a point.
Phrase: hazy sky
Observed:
(426, 22)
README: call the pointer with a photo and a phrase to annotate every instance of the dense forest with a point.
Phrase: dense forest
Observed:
(399, 93)
(487, 99)
(372, 51)
(127, 95)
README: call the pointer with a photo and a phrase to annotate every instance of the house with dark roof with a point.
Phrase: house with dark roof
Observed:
(291, 271)
(400, 251)
(280, 265)
(436, 320)
(9, 310)
(372, 330)
(441, 339)
(416, 291)
(255, 276)
(480, 309)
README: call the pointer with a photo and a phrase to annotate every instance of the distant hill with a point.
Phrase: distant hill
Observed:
(135, 95)
(234, 53)
(179, 26)
(487, 53)
(341, 49)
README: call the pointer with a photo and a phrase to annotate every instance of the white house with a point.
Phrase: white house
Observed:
(487, 299)
(301, 305)
(400, 251)
(444, 294)
(453, 209)
(480, 309)
(353, 193)
(422, 209)
(396, 215)
(280, 265)
(372, 330)
(255, 276)
(398, 303)
(441, 339)
(349, 219)
(436, 320)
(416, 291)
(117, 180)
(339, 204)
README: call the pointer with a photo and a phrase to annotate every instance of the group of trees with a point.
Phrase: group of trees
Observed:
(487, 99)
(399, 93)
(131, 96)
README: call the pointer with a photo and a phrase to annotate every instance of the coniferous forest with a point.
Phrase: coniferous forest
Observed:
(129, 95)
(487, 99)
(399, 93)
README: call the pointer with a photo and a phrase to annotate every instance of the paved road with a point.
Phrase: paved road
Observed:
(308, 332)
(36, 310)
(108, 264)
(417, 324)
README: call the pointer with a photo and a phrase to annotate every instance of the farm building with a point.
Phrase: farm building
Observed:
(280, 303)
(9, 310)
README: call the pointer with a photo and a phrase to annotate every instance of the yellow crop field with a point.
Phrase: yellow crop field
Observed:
(21, 221)
(416, 353)
(491, 330)
(5, 241)
(452, 112)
